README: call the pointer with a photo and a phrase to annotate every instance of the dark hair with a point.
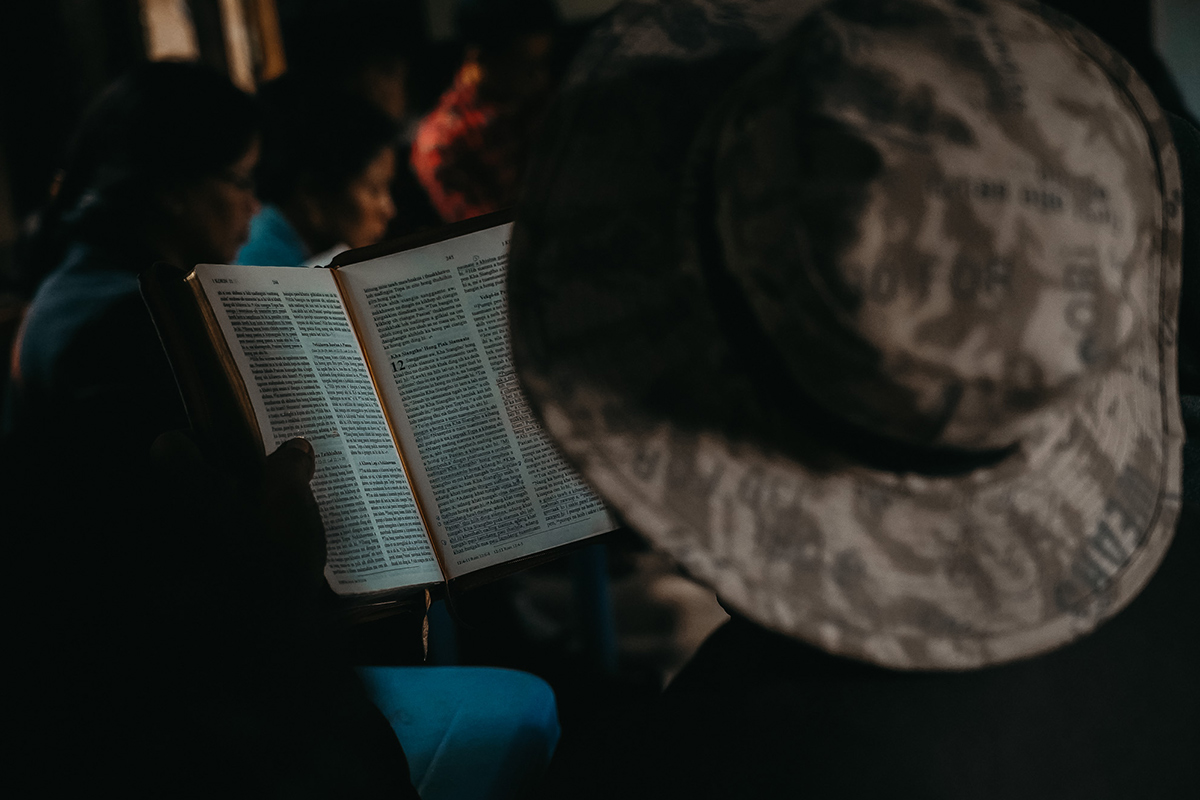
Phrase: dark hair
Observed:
(332, 47)
(316, 138)
(493, 24)
(161, 126)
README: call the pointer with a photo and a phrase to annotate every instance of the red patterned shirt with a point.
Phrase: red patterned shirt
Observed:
(469, 153)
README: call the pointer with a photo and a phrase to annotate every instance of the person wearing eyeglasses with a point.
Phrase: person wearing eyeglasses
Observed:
(159, 170)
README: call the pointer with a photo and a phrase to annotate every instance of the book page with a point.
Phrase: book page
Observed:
(434, 322)
(288, 332)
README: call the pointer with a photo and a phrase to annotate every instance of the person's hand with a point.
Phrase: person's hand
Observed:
(291, 518)
(275, 502)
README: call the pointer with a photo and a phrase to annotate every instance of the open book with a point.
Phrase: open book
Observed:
(395, 365)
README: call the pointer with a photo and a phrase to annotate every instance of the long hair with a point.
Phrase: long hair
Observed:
(161, 126)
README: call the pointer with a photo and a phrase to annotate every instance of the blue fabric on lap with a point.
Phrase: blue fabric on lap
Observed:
(468, 732)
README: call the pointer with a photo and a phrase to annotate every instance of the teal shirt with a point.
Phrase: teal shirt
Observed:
(273, 242)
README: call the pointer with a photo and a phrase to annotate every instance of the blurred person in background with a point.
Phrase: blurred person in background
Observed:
(184, 641)
(376, 53)
(470, 151)
(159, 170)
(327, 164)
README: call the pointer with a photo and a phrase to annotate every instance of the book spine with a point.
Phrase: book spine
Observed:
(390, 417)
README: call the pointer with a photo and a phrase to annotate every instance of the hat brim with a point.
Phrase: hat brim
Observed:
(620, 353)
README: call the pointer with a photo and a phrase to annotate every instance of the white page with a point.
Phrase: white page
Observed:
(288, 333)
(492, 485)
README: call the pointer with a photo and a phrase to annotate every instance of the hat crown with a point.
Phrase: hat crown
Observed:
(938, 251)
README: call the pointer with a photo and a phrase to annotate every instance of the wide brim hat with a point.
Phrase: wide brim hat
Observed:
(865, 312)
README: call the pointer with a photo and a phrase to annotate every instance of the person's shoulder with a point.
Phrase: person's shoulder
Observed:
(88, 276)
(85, 287)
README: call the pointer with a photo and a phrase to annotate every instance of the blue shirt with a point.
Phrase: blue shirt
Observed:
(88, 349)
(273, 242)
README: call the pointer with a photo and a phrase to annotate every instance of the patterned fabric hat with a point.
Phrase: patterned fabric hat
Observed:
(865, 311)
